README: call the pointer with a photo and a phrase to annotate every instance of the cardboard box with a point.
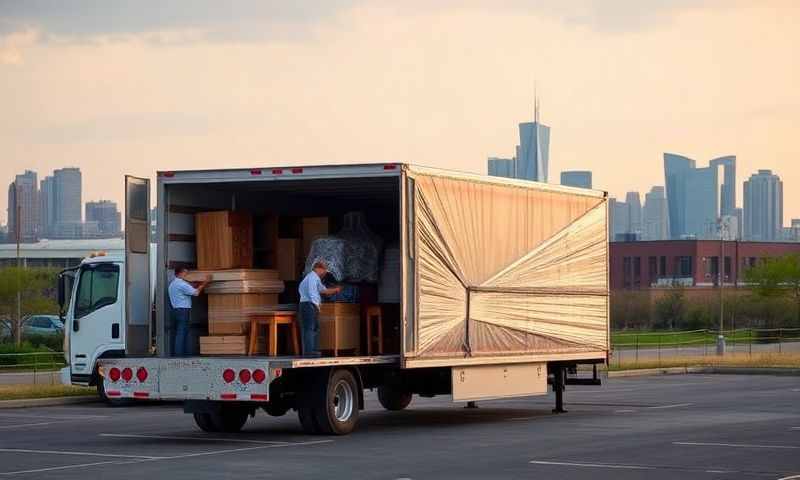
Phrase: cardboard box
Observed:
(289, 259)
(224, 239)
(314, 228)
(340, 326)
(224, 345)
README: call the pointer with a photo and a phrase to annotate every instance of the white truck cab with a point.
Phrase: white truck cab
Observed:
(92, 305)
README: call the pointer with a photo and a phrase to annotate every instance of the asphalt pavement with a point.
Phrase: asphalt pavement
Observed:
(666, 427)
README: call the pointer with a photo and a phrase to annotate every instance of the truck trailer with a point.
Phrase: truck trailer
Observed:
(503, 290)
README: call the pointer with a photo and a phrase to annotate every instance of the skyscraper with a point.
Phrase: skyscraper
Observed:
(634, 204)
(577, 178)
(763, 206)
(654, 215)
(23, 207)
(106, 215)
(47, 207)
(695, 197)
(533, 154)
(501, 167)
(67, 192)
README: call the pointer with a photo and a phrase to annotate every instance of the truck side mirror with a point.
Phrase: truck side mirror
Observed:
(62, 293)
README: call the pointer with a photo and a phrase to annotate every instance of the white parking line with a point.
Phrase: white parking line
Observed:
(675, 405)
(737, 445)
(53, 417)
(199, 439)
(63, 467)
(74, 453)
(244, 449)
(26, 425)
(593, 465)
(624, 411)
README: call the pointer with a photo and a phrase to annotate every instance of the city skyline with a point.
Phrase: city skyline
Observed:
(197, 89)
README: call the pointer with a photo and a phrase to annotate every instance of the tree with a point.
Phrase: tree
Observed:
(777, 278)
(670, 309)
(34, 286)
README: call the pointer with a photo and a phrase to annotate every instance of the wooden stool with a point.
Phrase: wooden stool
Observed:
(374, 311)
(273, 320)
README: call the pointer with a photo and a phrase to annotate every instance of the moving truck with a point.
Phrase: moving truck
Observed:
(503, 290)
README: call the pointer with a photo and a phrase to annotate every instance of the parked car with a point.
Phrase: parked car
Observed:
(42, 325)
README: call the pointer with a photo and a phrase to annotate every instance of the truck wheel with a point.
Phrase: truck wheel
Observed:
(229, 419)
(336, 403)
(307, 421)
(392, 398)
(203, 420)
(276, 409)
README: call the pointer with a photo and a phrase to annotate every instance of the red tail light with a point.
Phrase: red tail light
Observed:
(277, 171)
(263, 397)
(297, 170)
(127, 374)
(259, 376)
(141, 374)
(141, 394)
(227, 396)
(255, 171)
(113, 374)
(228, 375)
(390, 167)
(244, 376)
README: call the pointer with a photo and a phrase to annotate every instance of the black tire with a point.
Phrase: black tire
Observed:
(112, 402)
(393, 398)
(229, 419)
(276, 409)
(307, 421)
(335, 404)
(203, 420)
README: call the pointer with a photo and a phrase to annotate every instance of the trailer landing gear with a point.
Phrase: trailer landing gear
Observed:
(559, 384)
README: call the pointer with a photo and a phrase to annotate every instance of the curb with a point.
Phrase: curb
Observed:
(47, 402)
(789, 372)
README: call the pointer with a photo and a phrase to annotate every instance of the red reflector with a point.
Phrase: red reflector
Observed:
(297, 170)
(259, 396)
(227, 396)
(390, 167)
(167, 174)
(277, 372)
(277, 171)
(244, 376)
(141, 394)
(255, 171)
(113, 393)
(113, 374)
(127, 374)
(141, 374)
(259, 376)
(228, 375)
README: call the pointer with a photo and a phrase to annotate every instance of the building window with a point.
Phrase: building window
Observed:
(728, 268)
(684, 266)
(627, 272)
(637, 272)
(652, 267)
(662, 267)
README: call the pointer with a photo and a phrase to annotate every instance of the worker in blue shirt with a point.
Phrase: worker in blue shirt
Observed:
(310, 290)
(180, 297)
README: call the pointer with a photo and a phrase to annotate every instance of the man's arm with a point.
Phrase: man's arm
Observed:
(202, 285)
(328, 291)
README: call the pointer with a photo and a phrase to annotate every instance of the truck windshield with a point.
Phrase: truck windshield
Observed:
(97, 288)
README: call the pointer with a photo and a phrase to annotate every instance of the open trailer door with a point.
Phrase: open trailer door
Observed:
(137, 266)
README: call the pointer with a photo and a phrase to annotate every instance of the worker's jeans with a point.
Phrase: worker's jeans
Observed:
(180, 321)
(309, 321)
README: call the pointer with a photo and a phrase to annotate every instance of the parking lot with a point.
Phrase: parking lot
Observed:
(687, 426)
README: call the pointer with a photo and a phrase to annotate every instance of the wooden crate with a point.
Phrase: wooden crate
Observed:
(224, 239)
(340, 326)
(290, 259)
(229, 313)
(224, 345)
(314, 228)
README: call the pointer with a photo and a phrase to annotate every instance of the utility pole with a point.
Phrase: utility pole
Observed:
(17, 228)
(721, 268)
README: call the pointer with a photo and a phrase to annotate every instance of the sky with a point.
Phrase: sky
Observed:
(132, 87)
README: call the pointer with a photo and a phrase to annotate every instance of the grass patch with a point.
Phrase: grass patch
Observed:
(762, 360)
(17, 392)
(632, 339)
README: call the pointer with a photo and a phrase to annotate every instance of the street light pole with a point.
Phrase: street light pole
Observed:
(721, 272)
(17, 220)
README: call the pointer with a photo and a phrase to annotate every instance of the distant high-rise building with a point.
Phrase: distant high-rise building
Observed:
(47, 207)
(533, 154)
(501, 167)
(620, 221)
(634, 203)
(655, 224)
(67, 192)
(695, 197)
(763, 206)
(106, 215)
(23, 199)
(577, 178)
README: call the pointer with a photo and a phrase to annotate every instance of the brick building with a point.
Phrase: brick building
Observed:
(689, 263)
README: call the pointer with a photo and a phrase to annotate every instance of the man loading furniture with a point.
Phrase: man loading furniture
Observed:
(310, 290)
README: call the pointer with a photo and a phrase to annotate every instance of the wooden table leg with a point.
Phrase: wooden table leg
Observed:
(369, 332)
(273, 337)
(295, 341)
(251, 348)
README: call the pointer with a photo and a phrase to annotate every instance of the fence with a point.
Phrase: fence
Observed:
(652, 347)
(35, 367)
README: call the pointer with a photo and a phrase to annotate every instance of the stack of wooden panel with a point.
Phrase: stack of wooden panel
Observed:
(233, 297)
(224, 239)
